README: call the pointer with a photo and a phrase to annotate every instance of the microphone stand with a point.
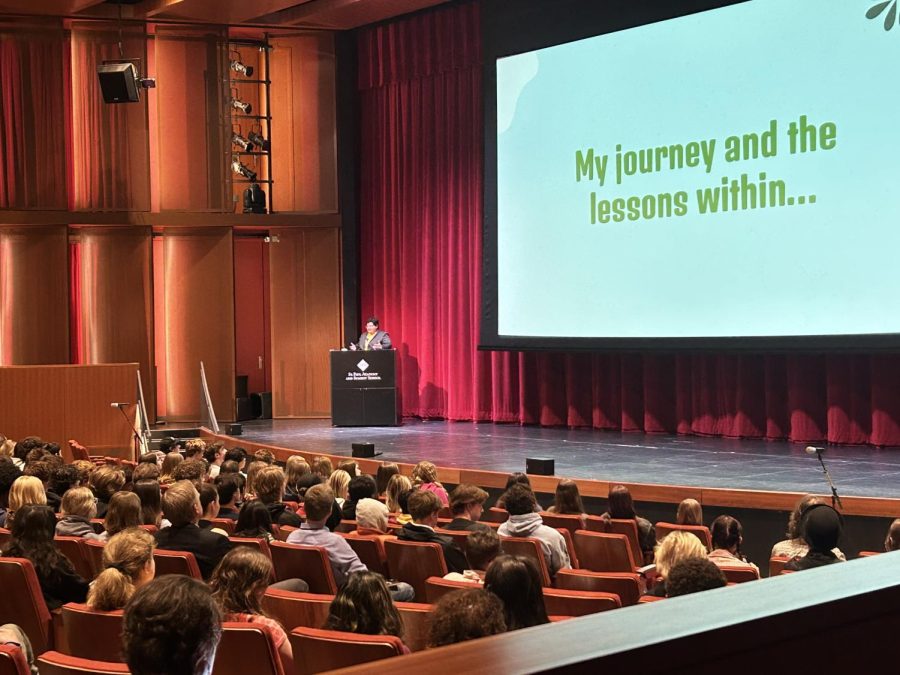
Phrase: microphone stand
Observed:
(835, 498)
(137, 436)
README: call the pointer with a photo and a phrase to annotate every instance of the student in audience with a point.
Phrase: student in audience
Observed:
(372, 521)
(84, 469)
(255, 521)
(239, 455)
(482, 548)
(689, 513)
(229, 467)
(193, 470)
(524, 522)
(361, 487)
(676, 546)
(209, 502)
(424, 477)
(517, 478)
(467, 505)
(63, 478)
(25, 490)
(8, 475)
(77, 508)
(170, 444)
(727, 537)
(363, 605)
(397, 485)
(517, 582)
(127, 565)
(892, 541)
(693, 575)
(295, 468)
(383, 475)
(105, 482)
(322, 466)
(424, 506)
(253, 468)
(32, 537)
(264, 456)
(23, 447)
(170, 463)
(821, 526)
(795, 546)
(567, 500)
(194, 448)
(172, 625)
(238, 585)
(7, 446)
(621, 507)
(145, 471)
(339, 482)
(466, 614)
(214, 456)
(228, 486)
(269, 489)
(12, 635)
(318, 502)
(350, 466)
(181, 506)
(124, 511)
(151, 502)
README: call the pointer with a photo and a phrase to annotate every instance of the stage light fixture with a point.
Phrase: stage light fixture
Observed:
(257, 139)
(255, 201)
(241, 142)
(241, 169)
(238, 67)
(238, 104)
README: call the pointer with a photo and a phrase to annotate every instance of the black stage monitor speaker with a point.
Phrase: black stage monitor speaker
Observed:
(118, 82)
(539, 466)
(363, 450)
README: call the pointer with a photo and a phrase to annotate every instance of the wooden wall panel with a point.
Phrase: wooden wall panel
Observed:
(117, 300)
(306, 318)
(304, 131)
(198, 271)
(34, 303)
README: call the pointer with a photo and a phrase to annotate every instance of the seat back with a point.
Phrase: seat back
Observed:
(776, 564)
(247, 648)
(570, 546)
(528, 547)
(460, 537)
(317, 650)
(93, 553)
(495, 515)
(54, 663)
(867, 554)
(71, 548)
(564, 602)
(282, 532)
(738, 575)
(699, 531)
(91, 634)
(629, 528)
(601, 552)
(257, 543)
(23, 603)
(370, 552)
(561, 521)
(413, 562)
(416, 618)
(436, 587)
(292, 609)
(176, 562)
(346, 526)
(310, 563)
(12, 661)
(626, 585)
(226, 524)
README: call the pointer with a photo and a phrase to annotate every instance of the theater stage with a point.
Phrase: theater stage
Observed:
(602, 455)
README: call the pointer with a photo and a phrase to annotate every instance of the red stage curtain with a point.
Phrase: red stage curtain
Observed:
(421, 186)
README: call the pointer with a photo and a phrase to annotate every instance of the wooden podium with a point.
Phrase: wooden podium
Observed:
(364, 388)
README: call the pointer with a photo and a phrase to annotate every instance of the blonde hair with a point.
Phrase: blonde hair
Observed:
(339, 481)
(397, 485)
(7, 447)
(294, 469)
(677, 546)
(689, 512)
(178, 503)
(106, 481)
(322, 466)
(125, 555)
(268, 485)
(253, 468)
(124, 511)
(25, 490)
(172, 460)
(424, 472)
(84, 468)
(78, 501)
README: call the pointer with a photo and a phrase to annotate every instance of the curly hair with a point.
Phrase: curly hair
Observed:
(465, 614)
(364, 605)
(424, 472)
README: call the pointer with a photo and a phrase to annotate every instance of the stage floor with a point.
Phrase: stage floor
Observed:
(603, 455)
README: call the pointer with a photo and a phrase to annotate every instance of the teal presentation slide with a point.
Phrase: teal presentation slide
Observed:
(730, 173)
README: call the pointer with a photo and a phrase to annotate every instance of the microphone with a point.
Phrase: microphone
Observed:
(813, 450)
(118, 405)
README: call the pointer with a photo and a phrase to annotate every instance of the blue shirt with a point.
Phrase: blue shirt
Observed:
(343, 559)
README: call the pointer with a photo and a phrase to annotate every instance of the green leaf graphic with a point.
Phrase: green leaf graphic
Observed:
(891, 17)
(875, 10)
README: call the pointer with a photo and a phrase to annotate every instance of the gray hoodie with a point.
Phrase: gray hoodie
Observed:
(553, 543)
(76, 526)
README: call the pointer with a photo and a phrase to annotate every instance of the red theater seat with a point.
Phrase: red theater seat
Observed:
(176, 562)
(627, 585)
(604, 552)
(413, 562)
(370, 551)
(562, 602)
(699, 531)
(54, 663)
(738, 575)
(528, 547)
(23, 603)
(247, 648)
(73, 549)
(257, 543)
(416, 623)
(436, 587)
(93, 553)
(292, 609)
(91, 634)
(12, 661)
(309, 563)
(316, 650)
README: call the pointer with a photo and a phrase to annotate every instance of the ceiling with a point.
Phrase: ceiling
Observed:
(328, 14)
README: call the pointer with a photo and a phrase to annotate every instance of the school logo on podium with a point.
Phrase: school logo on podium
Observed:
(362, 365)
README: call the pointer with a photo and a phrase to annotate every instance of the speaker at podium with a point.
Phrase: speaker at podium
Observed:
(364, 388)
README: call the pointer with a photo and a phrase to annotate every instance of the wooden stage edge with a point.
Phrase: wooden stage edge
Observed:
(646, 492)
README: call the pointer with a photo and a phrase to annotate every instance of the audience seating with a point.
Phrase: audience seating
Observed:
(416, 623)
(560, 521)
(371, 553)
(152, 529)
(495, 515)
(54, 663)
(649, 598)
(72, 548)
(563, 602)
(437, 587)
(91, 634)
(226, 524)
(776, 564)
(176, 562)
(528, 547)
(297, 609)
(12, 661)
(459, 537)
(600, 552)
(282, 532)
(699, 531)
(310, 563)
(346, 526)
(866, 554)
(258, 543)
(93, 553)
(247, 648)
(413, 562)
(739, 575)
(317, 650)
(629, 528)
(626, 585)
(570, 546)
(5, 537)
(23, 603)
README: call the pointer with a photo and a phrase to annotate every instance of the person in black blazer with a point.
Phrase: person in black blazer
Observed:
(181, 507)
(424, 507)
(373, 338)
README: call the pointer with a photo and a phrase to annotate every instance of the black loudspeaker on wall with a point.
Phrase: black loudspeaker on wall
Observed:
(118, 82)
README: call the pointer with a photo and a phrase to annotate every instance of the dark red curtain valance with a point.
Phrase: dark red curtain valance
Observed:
(421, 187)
